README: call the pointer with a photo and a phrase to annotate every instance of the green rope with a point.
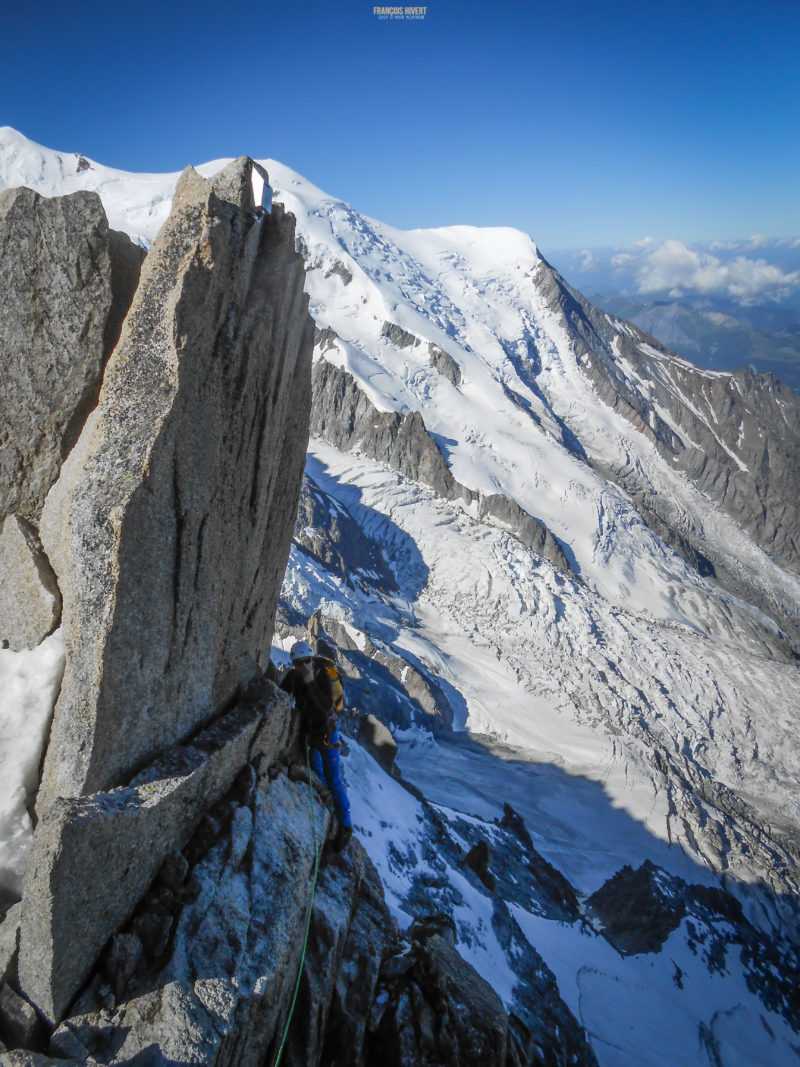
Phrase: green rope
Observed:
(310, 908)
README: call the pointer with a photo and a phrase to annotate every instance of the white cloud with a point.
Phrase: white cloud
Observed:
(588, 260)
(622, 259)
(675, 268)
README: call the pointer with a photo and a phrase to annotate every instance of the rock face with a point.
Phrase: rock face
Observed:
(9, 939)
(398, 336)
(555, 894)
(123, 837)
(19, 1022)
(218, 988)
(479, 859)
(439, 1012)
(637, 910)
(329, 533)
(67, 281)
(30, 601)
(344, 416)
(445, 364)
(169, 525)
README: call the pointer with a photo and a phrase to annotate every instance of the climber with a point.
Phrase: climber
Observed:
(316, 686)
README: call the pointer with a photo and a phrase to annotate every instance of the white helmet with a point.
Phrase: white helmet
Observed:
(301, 650)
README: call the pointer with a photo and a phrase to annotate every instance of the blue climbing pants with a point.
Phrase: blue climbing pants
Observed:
(325, 761)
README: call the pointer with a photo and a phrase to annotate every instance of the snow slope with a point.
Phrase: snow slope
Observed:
(543, 663)
(29, 684)
(587, 795)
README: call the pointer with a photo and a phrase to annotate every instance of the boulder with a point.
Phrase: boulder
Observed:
(66, 281)
(18, 1019)
(436, 1008)
(636, 910)
(170, 524)
(444, 363)
(378, 740)
(9, 940)
(478, 859)
(95, 856)
(30, 602)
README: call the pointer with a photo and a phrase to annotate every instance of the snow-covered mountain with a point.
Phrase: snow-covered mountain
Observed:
(723, 338)
(563, 564)
(724, 305)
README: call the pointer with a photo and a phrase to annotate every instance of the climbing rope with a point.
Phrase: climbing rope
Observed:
(310, 909)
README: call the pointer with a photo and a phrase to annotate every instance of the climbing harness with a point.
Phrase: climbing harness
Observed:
(310, 909)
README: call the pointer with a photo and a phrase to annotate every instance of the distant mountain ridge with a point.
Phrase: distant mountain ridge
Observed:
(719, 339)
(723, 305)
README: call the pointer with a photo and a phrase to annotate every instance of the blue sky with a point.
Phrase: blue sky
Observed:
(582, 123)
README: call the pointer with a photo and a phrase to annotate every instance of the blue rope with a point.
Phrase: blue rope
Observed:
(310, 909)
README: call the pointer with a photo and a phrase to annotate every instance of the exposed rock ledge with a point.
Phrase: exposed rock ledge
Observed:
(204, 971)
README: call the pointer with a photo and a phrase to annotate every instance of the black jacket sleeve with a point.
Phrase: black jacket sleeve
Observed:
(289, 682)
(313, 696)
